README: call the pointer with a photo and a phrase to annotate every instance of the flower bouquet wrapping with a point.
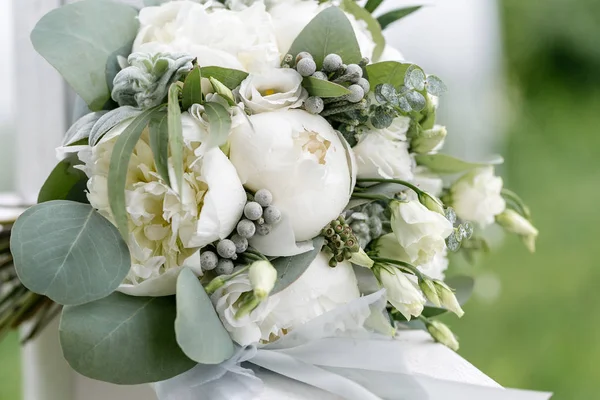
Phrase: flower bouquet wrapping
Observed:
(255, 185)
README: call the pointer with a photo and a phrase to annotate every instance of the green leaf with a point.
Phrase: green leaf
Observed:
(82, 41)
(123, 339)
(393, 16)
(199, 330)
(415, 78)
(351, 7)
(219, 121)
(289, 269)
(445, 164)
(463, 287)
(175, 134)
(435, 86)
(390, 72)
(192, 89)
(159, 143)
(109, 120)
(119, 164)
(232, 78)
(372, 5)
(65, 183)
(322, 88)
(329, 32)
(82, 128)
(68, 252)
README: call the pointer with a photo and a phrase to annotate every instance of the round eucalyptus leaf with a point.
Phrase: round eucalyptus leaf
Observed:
(123, 339)
(68, 252)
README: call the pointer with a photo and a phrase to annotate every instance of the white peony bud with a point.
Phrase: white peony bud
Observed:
(262, 277)
(516, 223)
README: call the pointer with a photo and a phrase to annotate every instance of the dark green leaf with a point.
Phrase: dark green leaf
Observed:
(393, 16)
(175, 134)
(192, 89)
(68, 252)
(119, 164)
(123, 339)
(445, 164)
(159, 143)
(65, 183)
(390, 72)
(372, 5)
(220, 123)
(322, 88)
(361, 14)
(82, 41)
(232, 78)
(199, 330)
(289, 269)
(329, 32)
(463, 286)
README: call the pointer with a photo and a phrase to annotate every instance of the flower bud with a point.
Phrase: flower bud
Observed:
(262, 277)
(429, 140)
(215, 284)
(516, 223)
(428, 289)
(442, 334)
(432, 203)
(447, 298)
(222, 90)
(361, 259)
(247, 303)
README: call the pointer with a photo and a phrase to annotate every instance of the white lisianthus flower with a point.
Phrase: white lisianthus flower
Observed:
(303, 162)
(476, 196)
(402, 292)
(420, 232)
(273, 89)
(290, 17)
(166, 228)
(383, 153)
(319, 290)
(243, 40)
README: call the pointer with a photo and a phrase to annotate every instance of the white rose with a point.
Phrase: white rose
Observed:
(290, 17)
(243, 40)
(166, 228)
(476, 196)
(319, 290)
(274, 89)
(420, 232)
(383, 153)
(303, 162)
(402, 292)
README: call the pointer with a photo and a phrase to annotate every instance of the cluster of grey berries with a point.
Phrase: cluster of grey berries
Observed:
(369, 222)
(258, 219)
(462, 230)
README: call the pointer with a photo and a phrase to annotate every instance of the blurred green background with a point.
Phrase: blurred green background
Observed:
(534, 323)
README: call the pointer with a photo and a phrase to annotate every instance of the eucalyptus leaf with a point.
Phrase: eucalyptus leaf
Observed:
(68, 252)
(445, 164)
(416, 100)
(322, 88)
(119, 164)
(219, 121)
(159, 143)
(387, 72)
(200, 333)
(329, 32)
(123, 339)
(192, 89)
(361, 14)
(175, 134)
(415, 78)
(232, 78)
(65, 182)
(81, 128)
(82, 41)
(390, 17)
(435, 86)
(289, 269)
(109, 120)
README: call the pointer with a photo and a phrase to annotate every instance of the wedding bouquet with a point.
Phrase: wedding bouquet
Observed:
(254, 184)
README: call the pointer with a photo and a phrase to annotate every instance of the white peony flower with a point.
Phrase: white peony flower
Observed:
(291, 16)
(273, 89)
(243, 40)
(319, 290)
(303, 162)
(402, 292)
(166, 228)
(420, 232)
(476, 196)
(383, 153)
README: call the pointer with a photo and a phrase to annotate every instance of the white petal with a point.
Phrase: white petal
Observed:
(281, 241)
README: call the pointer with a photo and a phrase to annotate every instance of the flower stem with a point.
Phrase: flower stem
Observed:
(403, 265)
(369, 196)
(398, 181)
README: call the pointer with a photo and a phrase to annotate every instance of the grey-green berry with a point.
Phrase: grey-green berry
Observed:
(241, 243)
(226, 248)
(208, 260)
(320, 75)
(332, 63)
(272, 215)
(302, 55)
(314, 105)
(354, 72)
(263, 230)
(306, 67)
(263, 197)
(253, 210)
(356, 94)
(224, 267)
(246, 228)
(364, 84)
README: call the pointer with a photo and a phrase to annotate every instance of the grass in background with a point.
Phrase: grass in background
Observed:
(10, 368)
